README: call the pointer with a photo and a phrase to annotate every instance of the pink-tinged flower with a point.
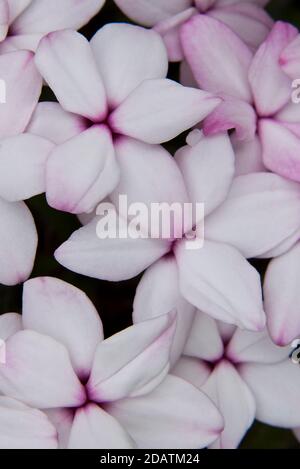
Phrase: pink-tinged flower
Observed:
(114, 86)
(24, 22)
(245, 17)
(282, 297)
(254, 215)
(244, 373)
(18, 236)
(113, 393)
(257, 91)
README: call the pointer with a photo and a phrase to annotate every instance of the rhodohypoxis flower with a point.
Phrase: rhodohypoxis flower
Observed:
(245, 17)
(24, 22)
(255, 215)
(257, 91)
(244, 373)
(114, 86)
(18, 237)
(113, 393)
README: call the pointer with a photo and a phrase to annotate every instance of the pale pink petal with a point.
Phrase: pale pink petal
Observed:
(44, 17)
(158, 293)
(18, 242)
(23, 166)
(10, 324)
(174, 415)
(282, 296)
(207, 166)
(62, 419)
(226, 331)
(21, 94)
(127, 55)
(220, 282)
(229, 115)
(24, 428)
(39, 373)
(248, 156)
(4, 19)
(134, 361)
(289, 116)
(192, 370)
(82, 171)
(290, 58)
(235, 402)
(50, 121)
(276, 391)
(218, 58)
(260, 213)
(94, 249)
(281, 149)
(251, 23)
(246, 346)
(66, 62)
(16, 7)
(148, 13)
(205, 341)
(271, 95)
(159, 110)
(93, 428)
(56, 308)
(22, 42)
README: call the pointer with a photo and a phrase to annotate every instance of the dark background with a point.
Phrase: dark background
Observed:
(114, 300)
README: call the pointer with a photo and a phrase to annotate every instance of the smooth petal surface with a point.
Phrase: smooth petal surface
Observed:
(204, 341)
(39, 373)
(4, 19)
(159, 110)
(207, 167)
(150, 13)
(235, 402)
(248, 156)
(21, 95)
(290, 58)
(30, 153)
(221, 283)
(16, 7)
(56, 308)
(276, 391)
(82, 171)
(28, 42)
(282, 295)
(163, 419)
(93, 428)
(24, 428)
(141, 363)
(50, 121)
(158, 293)
(192, 370)
(218, 58)
(66, 62)
(43, 17)
(90, 255)
(261, 211)
(127, 55)
(62, 419)
(18, 242)
(271, 95)
(10, 324)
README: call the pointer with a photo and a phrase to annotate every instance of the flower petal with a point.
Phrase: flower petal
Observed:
(158, 293)
(4, 19)
(29, 153)
(21, 94)
(290, 58)
(276, 391)
(221, 283)
(127, 55)
(235, 402)
(66, 62)
(218, 58)
(24, 428)
(82, 171)
(282, 295)
(93, 428)
(141, 363)
(192, 370)
(39, 373)
(163, 419)
(248, 156)
(56, 308)
(16, 7)
(18, 242)
(159, 110)
(261, 212)
(62, 419)
(10, 324)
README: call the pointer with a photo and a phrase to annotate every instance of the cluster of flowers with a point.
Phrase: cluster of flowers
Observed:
(209, 350)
